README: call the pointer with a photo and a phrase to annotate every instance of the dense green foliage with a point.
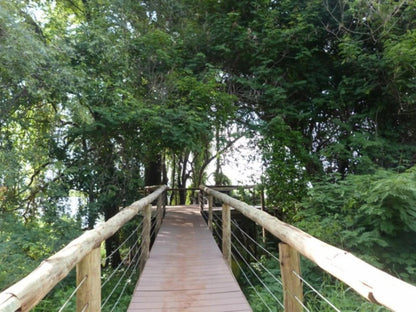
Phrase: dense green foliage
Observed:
(327, 83)
(373, 216)
(98, 98)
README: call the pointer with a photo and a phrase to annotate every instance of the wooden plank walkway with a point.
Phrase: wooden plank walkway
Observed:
(186, 270)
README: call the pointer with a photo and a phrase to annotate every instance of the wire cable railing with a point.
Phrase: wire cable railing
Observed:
(83, 252)
(131, 245)
(273, 276)
(236, 252)
(129, 279)
(316, 292)
(256, 275)
(138, 250)
(251, 285)
(135, 231)
(136, 257)
(238, 248)
(369, 282)
(254, 241)
(72, 294)
(255, 258)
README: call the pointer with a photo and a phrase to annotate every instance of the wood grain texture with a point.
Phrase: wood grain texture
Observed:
(292, 285)
(89, 294)
(186, 270)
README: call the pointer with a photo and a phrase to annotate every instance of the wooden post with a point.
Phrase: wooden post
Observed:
(147, 224)
(263, 231)
(226, 233)
(165, 200)
(159, 212)
(89, 293)
(201, 200)
(210, 202)
(292, 285)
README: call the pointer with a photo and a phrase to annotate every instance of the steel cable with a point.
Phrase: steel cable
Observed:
(317, 292)
(252, 270)
(258, 277)
(125, 285)
(127, 269)
(257, 260)
(251, 285)
(122, 276)
(121, 245)
(265, 268)
(73, 293)
(254, 241)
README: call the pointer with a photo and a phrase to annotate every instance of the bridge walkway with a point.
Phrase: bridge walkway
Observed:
(185, 270)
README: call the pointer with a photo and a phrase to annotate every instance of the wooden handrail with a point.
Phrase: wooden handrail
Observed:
(373, 284)
(26, 293)
(213, 187)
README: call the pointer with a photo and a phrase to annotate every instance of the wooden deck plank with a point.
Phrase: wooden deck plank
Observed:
(186, 270)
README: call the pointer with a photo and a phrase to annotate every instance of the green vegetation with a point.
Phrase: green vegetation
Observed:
(99, 98)
(365, 213)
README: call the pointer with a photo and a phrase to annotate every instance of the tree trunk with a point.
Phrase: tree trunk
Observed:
(182, 178)
(112, 242)
(153, 171)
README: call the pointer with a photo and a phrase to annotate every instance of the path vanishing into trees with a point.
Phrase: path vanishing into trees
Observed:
(185, 270)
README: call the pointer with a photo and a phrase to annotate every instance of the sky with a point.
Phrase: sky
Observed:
(242, 164)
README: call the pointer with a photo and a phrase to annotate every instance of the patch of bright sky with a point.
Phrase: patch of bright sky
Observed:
(36, 11)
(242, 164)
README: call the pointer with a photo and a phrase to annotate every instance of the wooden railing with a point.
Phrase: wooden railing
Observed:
(84, 253)
(371, 283)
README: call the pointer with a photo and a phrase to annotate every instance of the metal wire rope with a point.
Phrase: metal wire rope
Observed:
(247, 264)
(257, 260)
(122, 276)
(267, 270)
(271, 274)
(251, 284)
(128, 267)
(125, 286)
(73, 293)
(114, 251)
(269, 253)
(121, 263)
(317, 292)
(250, 253)
(215, 229)
(112, 273)
(258, 278)
(216, 217)
(254, 241)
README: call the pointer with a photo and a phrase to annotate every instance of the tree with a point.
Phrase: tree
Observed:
(324, 80)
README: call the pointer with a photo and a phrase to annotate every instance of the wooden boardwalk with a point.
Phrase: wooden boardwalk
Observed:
(186, 270)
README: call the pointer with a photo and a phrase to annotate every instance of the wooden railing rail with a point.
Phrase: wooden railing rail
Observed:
(83, 250)
(371, 283)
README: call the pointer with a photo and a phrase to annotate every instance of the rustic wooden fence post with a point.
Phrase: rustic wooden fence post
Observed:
(201, 200)
(210, 203)
(226, 233)
(165, 201)
(89, 274)
(263, 230)
(159, 212)
(292, 285)
(147, 224)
